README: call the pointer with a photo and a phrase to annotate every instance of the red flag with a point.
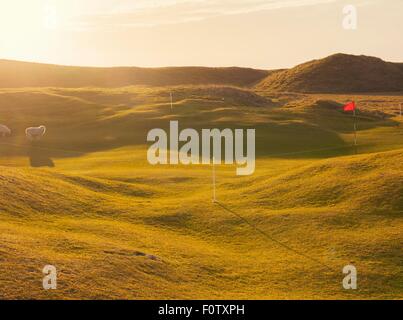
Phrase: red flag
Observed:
(350, 106)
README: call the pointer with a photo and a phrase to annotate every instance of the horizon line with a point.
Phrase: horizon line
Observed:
(186, 66)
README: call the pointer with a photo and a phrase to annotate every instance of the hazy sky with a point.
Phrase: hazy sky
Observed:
(254, 33)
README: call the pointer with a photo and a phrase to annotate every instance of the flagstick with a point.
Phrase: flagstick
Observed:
(171, 101)
(214, 182)
(355, 131)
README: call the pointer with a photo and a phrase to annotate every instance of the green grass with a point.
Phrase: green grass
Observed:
(116, 227)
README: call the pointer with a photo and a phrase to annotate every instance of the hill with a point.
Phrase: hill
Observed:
(339, 73)
(15, 74)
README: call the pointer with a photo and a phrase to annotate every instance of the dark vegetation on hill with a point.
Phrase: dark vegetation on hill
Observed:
(339, 73)
(14, 74)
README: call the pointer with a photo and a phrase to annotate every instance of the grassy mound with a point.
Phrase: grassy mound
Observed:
(338, 73)
(86, 200)
(108, 240)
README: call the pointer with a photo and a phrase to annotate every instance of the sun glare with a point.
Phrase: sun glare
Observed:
(152, 33)
(51, 18)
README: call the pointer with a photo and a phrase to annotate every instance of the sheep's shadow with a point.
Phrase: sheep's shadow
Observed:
(39, 158)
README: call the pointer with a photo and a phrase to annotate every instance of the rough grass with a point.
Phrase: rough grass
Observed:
(116, 227)
(363, 74)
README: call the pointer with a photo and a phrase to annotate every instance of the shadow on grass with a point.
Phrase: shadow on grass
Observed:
(39, 158)
(270, 238)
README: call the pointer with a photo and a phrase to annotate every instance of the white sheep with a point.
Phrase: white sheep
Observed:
(35, 133)
(4, 131)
